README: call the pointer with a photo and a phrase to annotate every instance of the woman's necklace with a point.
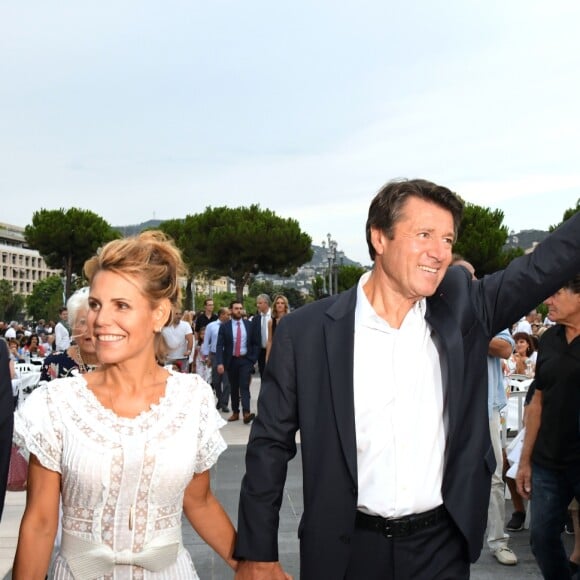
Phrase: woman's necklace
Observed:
(79, 360)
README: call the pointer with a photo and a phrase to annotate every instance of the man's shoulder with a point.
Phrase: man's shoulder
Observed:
(335, 305)
(185, 327)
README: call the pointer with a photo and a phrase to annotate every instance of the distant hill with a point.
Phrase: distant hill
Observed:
(525, 239)
(137, 228)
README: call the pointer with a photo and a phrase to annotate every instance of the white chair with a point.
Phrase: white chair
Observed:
(22, 368)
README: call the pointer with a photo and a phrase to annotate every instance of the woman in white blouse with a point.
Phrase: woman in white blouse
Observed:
(128, 446)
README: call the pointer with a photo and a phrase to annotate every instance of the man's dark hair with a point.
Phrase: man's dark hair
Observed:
(236, 302)
(574, 284)
(386, 208)
(62, 309)
(207, 300)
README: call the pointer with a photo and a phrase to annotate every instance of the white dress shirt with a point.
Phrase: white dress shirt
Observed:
(210, 339)
(398, 400)
(61, 337)
(264, 319)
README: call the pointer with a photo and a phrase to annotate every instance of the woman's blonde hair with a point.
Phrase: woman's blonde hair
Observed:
(286, 303)
(153, 259)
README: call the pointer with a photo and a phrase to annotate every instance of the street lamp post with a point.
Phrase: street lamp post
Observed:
(331, 255)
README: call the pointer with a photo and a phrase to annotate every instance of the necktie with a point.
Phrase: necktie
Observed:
(238, 347)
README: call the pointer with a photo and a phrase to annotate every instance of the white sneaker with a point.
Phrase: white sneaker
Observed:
(505, 556)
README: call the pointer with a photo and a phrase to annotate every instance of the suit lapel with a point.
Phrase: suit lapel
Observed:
(448, 340)
(339, 337)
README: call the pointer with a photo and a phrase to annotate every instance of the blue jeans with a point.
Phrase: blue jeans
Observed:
(552, 491)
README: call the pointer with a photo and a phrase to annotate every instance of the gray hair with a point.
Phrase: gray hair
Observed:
(265, 298)
(78, 301)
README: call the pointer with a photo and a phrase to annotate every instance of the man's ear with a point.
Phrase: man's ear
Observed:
(378, 237)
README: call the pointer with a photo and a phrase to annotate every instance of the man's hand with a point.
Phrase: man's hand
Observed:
(524, 480)
(248, 570)
(220, 369)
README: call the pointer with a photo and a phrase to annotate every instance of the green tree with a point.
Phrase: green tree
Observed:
(45, 299)
(187, 235)
(481, 238)
(11, 305)
(220, 300)
(240, 242)
(258, 287)
(348, 276)
(567, 214)
(296, 299)
(317, 291)
(67, 238)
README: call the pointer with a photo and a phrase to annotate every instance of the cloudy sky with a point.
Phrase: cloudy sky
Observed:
(142, 109)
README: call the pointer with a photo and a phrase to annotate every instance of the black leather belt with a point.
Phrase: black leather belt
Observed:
(401, 527)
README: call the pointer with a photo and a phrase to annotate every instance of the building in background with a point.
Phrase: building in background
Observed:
(22, 266)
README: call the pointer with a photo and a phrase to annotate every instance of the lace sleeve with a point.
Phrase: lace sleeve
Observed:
(210, 443)
(37, 429)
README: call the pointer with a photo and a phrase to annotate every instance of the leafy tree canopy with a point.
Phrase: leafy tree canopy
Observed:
(481, 238)
(240, 242)
(567, 215)
(67, 238)
(318, 288)
(11, 304)
(45, 299)
(348, 276)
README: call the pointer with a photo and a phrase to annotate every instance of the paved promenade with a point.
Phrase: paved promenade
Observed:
(226, 477)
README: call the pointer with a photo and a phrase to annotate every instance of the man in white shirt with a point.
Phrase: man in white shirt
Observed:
(61, 331)
(179, 340)
(11, 330)
(525, 324)
(261, 320)
(387, 383)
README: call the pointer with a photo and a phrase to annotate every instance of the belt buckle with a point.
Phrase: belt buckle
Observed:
(396, 528)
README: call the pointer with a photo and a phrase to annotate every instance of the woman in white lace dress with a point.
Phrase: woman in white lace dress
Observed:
(128, 446)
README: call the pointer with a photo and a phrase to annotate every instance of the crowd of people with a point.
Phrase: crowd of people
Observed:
(397, 387)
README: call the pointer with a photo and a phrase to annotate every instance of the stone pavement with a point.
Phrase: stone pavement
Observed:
(226, 477)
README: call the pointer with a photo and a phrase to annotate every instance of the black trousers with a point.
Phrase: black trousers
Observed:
(240, 375)
(262, 361)
(437, 553)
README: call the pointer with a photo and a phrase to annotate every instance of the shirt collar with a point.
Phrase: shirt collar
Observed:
(365, 314)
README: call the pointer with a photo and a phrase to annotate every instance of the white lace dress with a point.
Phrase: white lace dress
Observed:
(123, 479)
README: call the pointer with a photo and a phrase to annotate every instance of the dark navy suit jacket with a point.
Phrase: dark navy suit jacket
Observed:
(308, 385)
(225, 343)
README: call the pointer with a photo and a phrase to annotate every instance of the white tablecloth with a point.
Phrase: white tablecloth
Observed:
(23, 383)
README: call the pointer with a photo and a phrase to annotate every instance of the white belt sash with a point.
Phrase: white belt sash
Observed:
(88, 560)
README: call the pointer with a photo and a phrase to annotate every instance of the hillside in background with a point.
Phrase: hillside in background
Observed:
(525, 239)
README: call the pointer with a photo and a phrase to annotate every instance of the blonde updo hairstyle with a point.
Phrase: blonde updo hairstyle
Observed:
(152, 258)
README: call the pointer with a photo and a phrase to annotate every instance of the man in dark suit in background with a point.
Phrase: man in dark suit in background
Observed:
(387, 383)
(6, 419)
(237, 352)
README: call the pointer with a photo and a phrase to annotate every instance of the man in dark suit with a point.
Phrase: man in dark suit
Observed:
(236, 352)
(387, 383)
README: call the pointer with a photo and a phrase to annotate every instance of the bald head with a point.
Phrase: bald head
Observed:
(469, 267)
